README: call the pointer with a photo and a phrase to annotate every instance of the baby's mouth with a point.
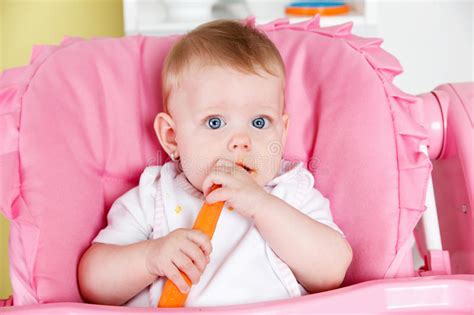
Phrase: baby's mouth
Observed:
(248, 169)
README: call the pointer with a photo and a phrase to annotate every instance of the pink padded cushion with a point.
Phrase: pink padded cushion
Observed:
(76, 132)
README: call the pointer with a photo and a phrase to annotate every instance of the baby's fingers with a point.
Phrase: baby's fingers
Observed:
(220, 194)
(214, 178)
(185, 264)
(193, 251)
(201, 239)
(173, 274)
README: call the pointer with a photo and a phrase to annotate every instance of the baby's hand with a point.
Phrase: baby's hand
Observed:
(185, 249)
(239, 188)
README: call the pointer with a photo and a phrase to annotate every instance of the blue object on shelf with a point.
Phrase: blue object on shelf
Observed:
(312, 4)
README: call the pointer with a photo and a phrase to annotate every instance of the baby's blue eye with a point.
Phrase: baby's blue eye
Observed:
(215, 123)
(260, 122)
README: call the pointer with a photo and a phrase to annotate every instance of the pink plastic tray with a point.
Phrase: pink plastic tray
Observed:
(420, 295)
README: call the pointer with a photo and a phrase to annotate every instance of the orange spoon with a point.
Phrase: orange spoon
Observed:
(206, 222)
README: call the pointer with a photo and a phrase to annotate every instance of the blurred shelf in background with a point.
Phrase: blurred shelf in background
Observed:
(165, 17)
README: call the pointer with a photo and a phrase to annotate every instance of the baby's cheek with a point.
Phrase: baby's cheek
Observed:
(194, 175)
(272, 169)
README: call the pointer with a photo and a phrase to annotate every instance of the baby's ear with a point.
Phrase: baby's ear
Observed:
(165, 132)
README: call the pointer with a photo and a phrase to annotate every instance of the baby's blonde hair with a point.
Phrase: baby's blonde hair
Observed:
(223, 43)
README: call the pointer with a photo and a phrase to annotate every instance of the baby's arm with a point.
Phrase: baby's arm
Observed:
(113, 274)
(317, 254)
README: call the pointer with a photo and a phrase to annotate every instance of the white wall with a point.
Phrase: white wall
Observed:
(432, 39)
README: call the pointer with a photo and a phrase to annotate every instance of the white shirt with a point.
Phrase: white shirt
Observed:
(243, 268)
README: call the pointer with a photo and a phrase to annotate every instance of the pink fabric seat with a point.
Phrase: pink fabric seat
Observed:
(76, 132)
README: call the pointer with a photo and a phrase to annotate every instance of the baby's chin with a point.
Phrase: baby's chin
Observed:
(263, 179)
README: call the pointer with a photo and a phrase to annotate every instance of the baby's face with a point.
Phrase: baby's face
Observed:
(221, 113)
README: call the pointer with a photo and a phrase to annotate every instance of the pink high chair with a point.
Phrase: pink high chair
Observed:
(76, 131)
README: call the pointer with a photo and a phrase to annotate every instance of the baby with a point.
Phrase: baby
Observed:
(223, 123)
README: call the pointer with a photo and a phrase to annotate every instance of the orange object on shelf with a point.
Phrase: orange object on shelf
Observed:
(206, 222)
(323, 11)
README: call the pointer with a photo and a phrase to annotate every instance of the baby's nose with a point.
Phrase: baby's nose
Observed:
(240, 142)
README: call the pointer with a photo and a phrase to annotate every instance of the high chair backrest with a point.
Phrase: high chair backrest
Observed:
(77, 130)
